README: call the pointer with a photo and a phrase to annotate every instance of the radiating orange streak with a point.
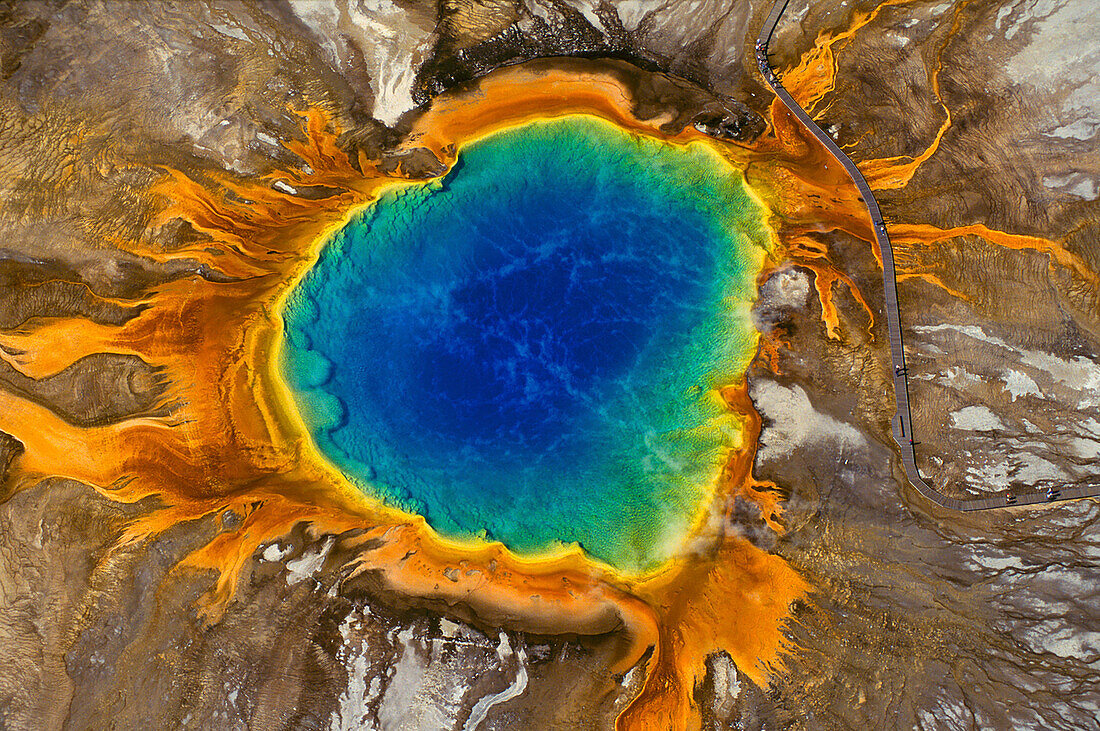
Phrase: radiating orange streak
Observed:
(935, 281)
(923, 233)
(858, 295)
(896, 172)
(815, 74)
(890, 173)
(803, 245)
(11, 358)
(46, 347)
(824, 280)
(237, 229)
(330, 164)
(98, 456)
(823, 283)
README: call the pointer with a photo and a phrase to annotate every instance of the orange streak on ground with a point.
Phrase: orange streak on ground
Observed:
(823, 283)
(825, 279)
(53, 447)
(890, 173)
(934, 280)
(42, 348)
(921, 233)
(815, 75)
(330, 164)
(896, 172)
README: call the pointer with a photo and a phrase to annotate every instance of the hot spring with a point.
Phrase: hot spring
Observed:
(528, 349)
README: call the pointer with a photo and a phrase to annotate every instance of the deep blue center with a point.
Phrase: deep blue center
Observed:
(525, 340)
(526, 348)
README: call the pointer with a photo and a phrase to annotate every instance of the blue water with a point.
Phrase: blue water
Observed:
(527, 349)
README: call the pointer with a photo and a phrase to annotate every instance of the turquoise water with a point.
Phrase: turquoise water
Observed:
(527, 349)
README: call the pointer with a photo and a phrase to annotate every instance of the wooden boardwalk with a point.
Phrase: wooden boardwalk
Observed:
(903, 427)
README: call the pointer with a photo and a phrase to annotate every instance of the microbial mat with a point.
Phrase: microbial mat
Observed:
(529, 349)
